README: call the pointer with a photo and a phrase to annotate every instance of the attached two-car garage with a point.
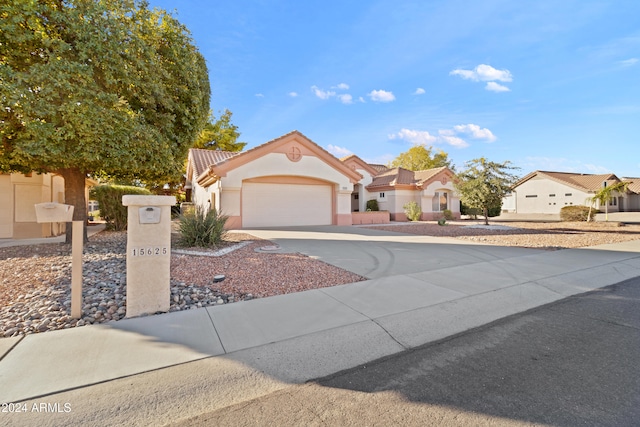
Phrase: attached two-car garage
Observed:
(274, 204)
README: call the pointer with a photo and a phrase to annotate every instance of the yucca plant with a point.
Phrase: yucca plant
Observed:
(202, 228)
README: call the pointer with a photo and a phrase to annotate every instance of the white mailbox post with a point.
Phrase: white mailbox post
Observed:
(148, 253)
(58, 212)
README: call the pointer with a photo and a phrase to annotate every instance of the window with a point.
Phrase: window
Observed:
(381, 195)
(531, 195)
(568, 194)
(552, 195)
(356, 196)
(613, 202)
(440, 201)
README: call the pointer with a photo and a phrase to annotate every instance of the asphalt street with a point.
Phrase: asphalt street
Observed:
(570, 363)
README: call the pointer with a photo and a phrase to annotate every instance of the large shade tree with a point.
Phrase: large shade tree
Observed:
(420, 157)
(483, 184)
(105, 87)
(220, 134)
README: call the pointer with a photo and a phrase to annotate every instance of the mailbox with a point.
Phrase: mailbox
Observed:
(54, 212)
(149, 215)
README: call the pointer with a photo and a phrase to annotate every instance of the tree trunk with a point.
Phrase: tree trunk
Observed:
(486, 216)
(74, 187)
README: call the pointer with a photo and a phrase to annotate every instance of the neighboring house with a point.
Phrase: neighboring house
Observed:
(293, 181)
(543, 192)
(19, 193)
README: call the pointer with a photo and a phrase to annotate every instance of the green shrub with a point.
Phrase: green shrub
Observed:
(442, 221)
(412, 211)
(109, 198)
(576, 213)
(372, 205)
(448, 215)
(199, 227)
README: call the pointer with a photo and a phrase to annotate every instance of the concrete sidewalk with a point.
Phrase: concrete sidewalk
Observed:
(297, 337)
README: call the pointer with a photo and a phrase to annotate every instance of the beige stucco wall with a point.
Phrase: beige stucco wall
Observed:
(6, 207)
(277, 164)
(543, 202)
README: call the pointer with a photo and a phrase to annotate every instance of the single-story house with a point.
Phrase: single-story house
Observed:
(291, 180)
(543, 192)
(19, 193)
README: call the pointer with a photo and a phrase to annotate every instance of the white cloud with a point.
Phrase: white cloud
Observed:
(445, 136)
(361, 99)
(259, 95)
(496, 87)
(381, 96)
(454, 141)
(322, 94)
(416, 137)
(419, 91)
(345, 98)
(475, 131)
(338, 151)
(293, 94)
(628, 62)
(485, 73)
(342, 86)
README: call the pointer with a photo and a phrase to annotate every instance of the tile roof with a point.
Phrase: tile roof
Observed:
(586, 182)
(379, 168)
(634, 184)
(401, 176)
(201, 159)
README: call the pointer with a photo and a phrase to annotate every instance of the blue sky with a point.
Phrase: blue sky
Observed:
(550, 85)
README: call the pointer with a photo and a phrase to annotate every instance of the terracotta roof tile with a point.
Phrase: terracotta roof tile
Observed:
(379, 168)
(400, 176)
(202, 159)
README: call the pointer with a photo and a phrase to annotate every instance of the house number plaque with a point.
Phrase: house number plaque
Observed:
(149, 251)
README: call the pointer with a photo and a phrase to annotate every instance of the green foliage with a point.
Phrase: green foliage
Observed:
(448, 215)
(109, 198)
(474, 212)
(372, 205)
(420, 157)
(605, 194)
(412, 211)
(577, 213)
(442, 221)
(106, 87)
(220, 134)
(199, 227)
(483, 184)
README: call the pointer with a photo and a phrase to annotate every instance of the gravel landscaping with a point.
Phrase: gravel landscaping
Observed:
(35, 280)
(544, 235)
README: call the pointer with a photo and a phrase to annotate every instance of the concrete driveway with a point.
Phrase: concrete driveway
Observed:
(381, 253)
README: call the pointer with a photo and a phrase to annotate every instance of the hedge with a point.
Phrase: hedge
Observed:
(109, 198)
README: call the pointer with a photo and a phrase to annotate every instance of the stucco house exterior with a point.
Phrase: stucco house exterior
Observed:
(544, 192)
(291, 180)
(19, 193)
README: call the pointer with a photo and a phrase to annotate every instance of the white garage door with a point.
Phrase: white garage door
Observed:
(274, 205)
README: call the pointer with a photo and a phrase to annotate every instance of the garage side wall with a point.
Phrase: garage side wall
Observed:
(545, 196)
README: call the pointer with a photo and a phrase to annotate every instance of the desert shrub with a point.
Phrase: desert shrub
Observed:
(109, 198)
(576, 213)
(474, 212)
(201, 227)
(442, 221)
(412, 211)
(448, 215)
(372, 205)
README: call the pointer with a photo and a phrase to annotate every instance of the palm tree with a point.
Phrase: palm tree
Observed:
(605, 195)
